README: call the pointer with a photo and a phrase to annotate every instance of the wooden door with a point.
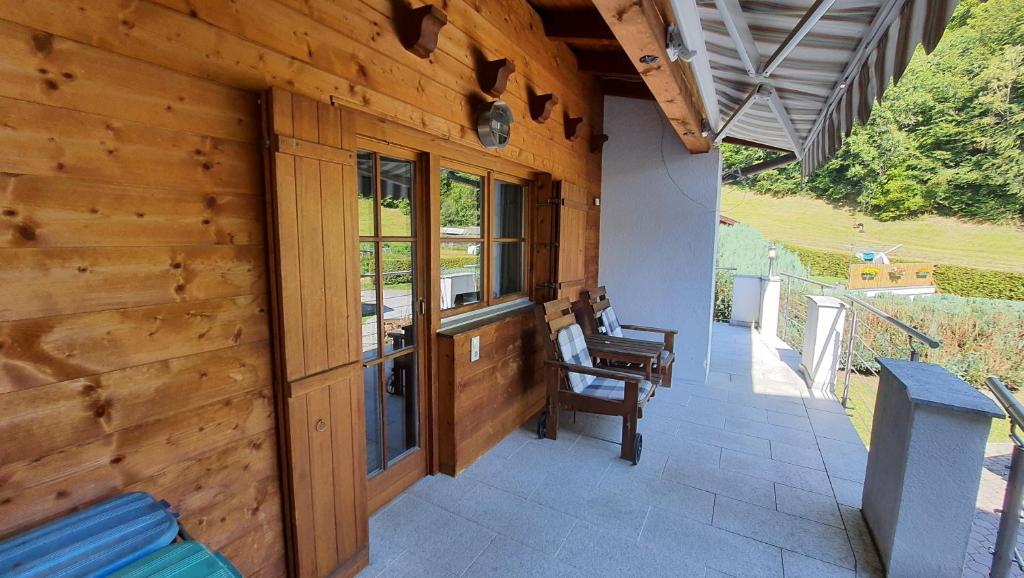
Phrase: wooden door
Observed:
(313, 217)
(571, 235)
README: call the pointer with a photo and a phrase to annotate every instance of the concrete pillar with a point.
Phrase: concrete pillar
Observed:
(771, 292)
(823, 338)
(746, 300)
(924, 467)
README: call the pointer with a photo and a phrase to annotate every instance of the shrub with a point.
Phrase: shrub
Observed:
(822, 263)
(970, 282)
(400, 266)
(743, 247)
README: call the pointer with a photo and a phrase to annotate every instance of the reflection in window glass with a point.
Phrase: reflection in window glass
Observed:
(460, 273)
(508, 268)
(371, 389)
(400, 408)
(368, 298)
(508, 210)
(396, 186)
(461, 204)
(366, 191)
(398, 265)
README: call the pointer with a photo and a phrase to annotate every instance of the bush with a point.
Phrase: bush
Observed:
(401, 266)
(823, 263)
(970, 282)
(743, 247)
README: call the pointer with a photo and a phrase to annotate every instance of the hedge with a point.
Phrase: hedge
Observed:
(822, 263)
(403, 263)
(950, 279)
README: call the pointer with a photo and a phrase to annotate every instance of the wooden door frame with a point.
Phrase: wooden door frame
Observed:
(414, 466)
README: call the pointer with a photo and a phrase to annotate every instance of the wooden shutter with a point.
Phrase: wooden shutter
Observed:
(571, 208)
(313, 215)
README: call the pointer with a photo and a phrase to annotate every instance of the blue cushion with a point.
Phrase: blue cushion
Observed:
(573, 349)
(614, 389)
(610, 323)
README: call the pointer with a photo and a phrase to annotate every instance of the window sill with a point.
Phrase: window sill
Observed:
(472, 319)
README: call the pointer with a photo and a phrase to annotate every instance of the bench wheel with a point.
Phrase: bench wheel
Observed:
(542, 425)
(638, 447)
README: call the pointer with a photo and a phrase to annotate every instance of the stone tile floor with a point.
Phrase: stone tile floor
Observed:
(748, 475)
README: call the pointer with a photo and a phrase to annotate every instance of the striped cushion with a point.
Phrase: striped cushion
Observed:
(610, 323)
(573, 349)
(614, 389)
(664, 355)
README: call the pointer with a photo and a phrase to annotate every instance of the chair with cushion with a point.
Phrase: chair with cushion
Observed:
(602, 320)
(575, 384)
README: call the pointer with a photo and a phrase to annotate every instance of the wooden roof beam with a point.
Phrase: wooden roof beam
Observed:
(578, 28)
(603, 63)
(641, 29)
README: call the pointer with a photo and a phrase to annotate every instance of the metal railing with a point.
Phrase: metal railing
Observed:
(1005, 552)
(856, 347)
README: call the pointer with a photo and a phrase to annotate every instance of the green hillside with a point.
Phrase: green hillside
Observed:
(810, 222)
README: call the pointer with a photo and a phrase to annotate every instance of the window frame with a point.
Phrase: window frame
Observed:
(487, 239)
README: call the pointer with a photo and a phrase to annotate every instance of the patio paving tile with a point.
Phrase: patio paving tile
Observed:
(722, 482)
(508, 558)
(776, 471)
(789, 420)
(800, 566)
(724, 438)
(848, 493)
(790, 532)
(524, 521)
(602, 551)
(845, 460)
(810, 505)
(439, 539)
(833, 426)
(717, 548)
(798, 456)
(771, 432)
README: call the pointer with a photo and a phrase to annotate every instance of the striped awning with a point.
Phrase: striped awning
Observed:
(831, 78)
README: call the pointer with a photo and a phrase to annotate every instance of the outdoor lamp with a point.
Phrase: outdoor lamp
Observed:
(772, 254)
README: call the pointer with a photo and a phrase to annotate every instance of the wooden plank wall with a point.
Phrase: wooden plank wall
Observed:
(482, 401)
(134, 335)
(134, 332)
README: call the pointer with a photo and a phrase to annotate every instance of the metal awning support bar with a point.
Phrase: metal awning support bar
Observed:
(739, 31)
(775, 103)
(758, 168)
(751, 98)
(810, 18)
(687, 20)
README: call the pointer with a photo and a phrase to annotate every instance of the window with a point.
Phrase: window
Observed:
(483, 239)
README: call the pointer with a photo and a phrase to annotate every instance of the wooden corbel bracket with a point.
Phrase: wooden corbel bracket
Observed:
(494, 76)
(422, 26)
(541, 106)
(572, 127)
(597, 142)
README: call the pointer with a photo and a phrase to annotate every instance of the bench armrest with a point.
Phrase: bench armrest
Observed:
(596, 371)
(650, 329)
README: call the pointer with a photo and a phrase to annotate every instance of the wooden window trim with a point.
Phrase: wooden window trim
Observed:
(487, 240)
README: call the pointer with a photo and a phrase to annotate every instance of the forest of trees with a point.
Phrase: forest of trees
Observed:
(948, 139)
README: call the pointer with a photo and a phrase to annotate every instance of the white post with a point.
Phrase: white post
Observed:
(927, 450)
(771, 293)
(823, 338)
(746, 300)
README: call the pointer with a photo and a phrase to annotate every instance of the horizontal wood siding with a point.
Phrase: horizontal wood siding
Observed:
(483, 401)
(134, 333)
(134, 326)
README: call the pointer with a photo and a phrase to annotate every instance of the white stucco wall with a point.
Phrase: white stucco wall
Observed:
(659, 226)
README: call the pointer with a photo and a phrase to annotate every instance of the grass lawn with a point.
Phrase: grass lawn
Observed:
(814, 223)
(394, 222)
(861, 407)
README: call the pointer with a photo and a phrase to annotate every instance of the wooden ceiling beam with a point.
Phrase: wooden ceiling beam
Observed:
(626, 88)
(640, 29)
(584, 28)
(606, 63)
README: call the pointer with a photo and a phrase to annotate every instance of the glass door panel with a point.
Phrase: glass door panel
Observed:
(389, 296)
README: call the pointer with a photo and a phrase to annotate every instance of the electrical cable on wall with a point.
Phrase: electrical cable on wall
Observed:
(668, 172)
